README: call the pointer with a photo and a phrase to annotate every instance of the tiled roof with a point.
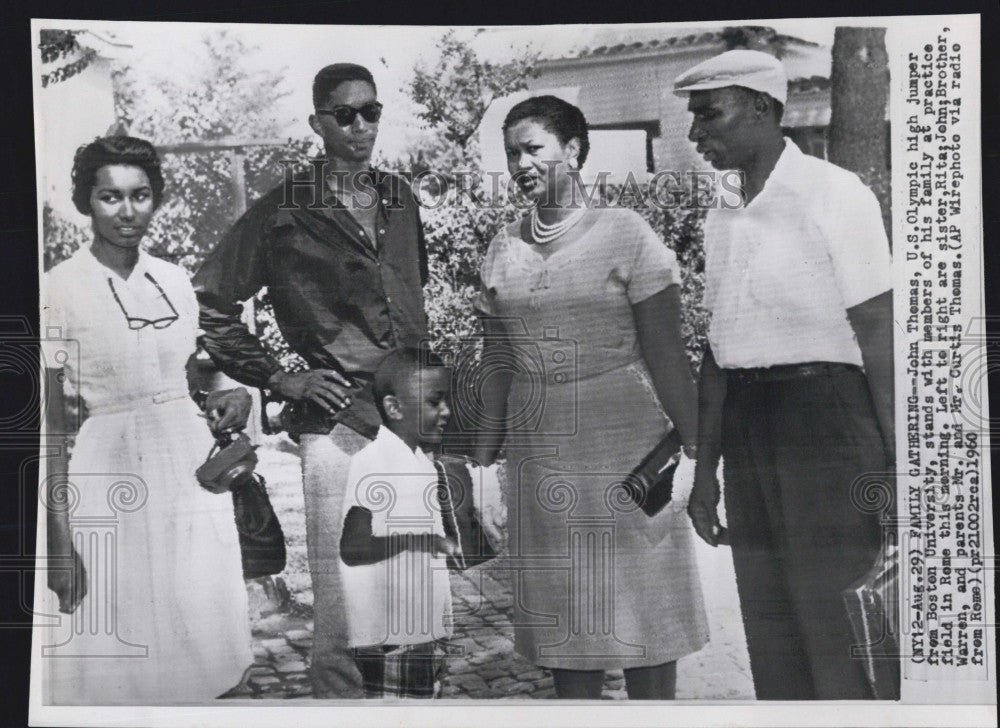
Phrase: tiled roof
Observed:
(674, 42)
(106, 44)
(806, 63)
(657, 43)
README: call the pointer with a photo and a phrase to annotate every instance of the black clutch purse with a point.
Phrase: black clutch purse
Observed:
(262, 542)
(650, 485)
(230, 467)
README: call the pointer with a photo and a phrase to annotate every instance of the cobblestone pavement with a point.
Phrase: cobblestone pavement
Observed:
(483, 663)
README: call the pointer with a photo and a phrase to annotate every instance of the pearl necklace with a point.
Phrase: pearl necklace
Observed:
(545, 234)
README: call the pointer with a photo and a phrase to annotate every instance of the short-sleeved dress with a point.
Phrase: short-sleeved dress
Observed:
(165, 619)
(598, 584)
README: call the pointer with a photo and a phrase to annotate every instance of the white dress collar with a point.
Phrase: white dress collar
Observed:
(90, 262)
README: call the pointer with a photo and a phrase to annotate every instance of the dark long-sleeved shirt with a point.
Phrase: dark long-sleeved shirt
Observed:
(340, 302)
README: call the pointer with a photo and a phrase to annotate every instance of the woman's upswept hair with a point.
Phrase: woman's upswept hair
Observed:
(560, 117)
(113, 150)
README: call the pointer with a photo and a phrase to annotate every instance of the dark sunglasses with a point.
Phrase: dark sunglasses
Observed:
(134, 322)
(345, 115)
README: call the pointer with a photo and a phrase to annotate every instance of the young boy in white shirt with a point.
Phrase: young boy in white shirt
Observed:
(399, 530)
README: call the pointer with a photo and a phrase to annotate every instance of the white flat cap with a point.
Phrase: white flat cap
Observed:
(751, 69)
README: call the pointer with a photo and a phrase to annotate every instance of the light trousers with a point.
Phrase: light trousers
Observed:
(325, 462)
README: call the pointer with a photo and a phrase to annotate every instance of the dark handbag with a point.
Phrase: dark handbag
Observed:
(476, 548)
(229, 464)
(650, 485)
(230, 467)
(262, 542)
(873, 610)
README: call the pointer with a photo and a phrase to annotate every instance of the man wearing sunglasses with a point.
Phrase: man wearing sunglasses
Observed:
(342, 253)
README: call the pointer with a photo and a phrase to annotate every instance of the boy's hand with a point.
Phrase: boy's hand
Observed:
(442, 546)
(488, 503)
(435, 545)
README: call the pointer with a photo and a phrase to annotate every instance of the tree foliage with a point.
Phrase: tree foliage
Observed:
(229, 99)
(455, 91)
(61, 237)
(225, 98)
(452, 95)
(59, 45)
(754, 38)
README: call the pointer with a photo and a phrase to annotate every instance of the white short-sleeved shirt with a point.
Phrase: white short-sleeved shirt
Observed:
(405, 599)
(781, 272)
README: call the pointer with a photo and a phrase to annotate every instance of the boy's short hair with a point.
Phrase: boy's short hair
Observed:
(329, 77)
(397, 367)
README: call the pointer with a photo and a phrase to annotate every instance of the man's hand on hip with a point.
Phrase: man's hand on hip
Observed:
(324, 387)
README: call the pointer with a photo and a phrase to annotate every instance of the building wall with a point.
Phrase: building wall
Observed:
(635, 88)
(73, 112)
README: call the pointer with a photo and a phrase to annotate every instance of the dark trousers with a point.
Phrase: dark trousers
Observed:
(793, 447)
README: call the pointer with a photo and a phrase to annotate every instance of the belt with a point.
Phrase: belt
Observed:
(783, 372)
(565, 368)
(131, 404)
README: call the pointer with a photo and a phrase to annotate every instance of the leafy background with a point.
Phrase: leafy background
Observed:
(230, 100)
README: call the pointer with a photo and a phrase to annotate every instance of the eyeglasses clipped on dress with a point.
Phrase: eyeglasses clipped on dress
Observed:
(135, 322)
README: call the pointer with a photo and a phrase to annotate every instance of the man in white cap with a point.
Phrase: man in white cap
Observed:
(796, 389)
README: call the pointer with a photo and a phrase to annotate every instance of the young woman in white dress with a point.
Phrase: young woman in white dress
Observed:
(151, 575)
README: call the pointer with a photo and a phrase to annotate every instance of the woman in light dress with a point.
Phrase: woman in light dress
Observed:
(581, 310)
(152, 578)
